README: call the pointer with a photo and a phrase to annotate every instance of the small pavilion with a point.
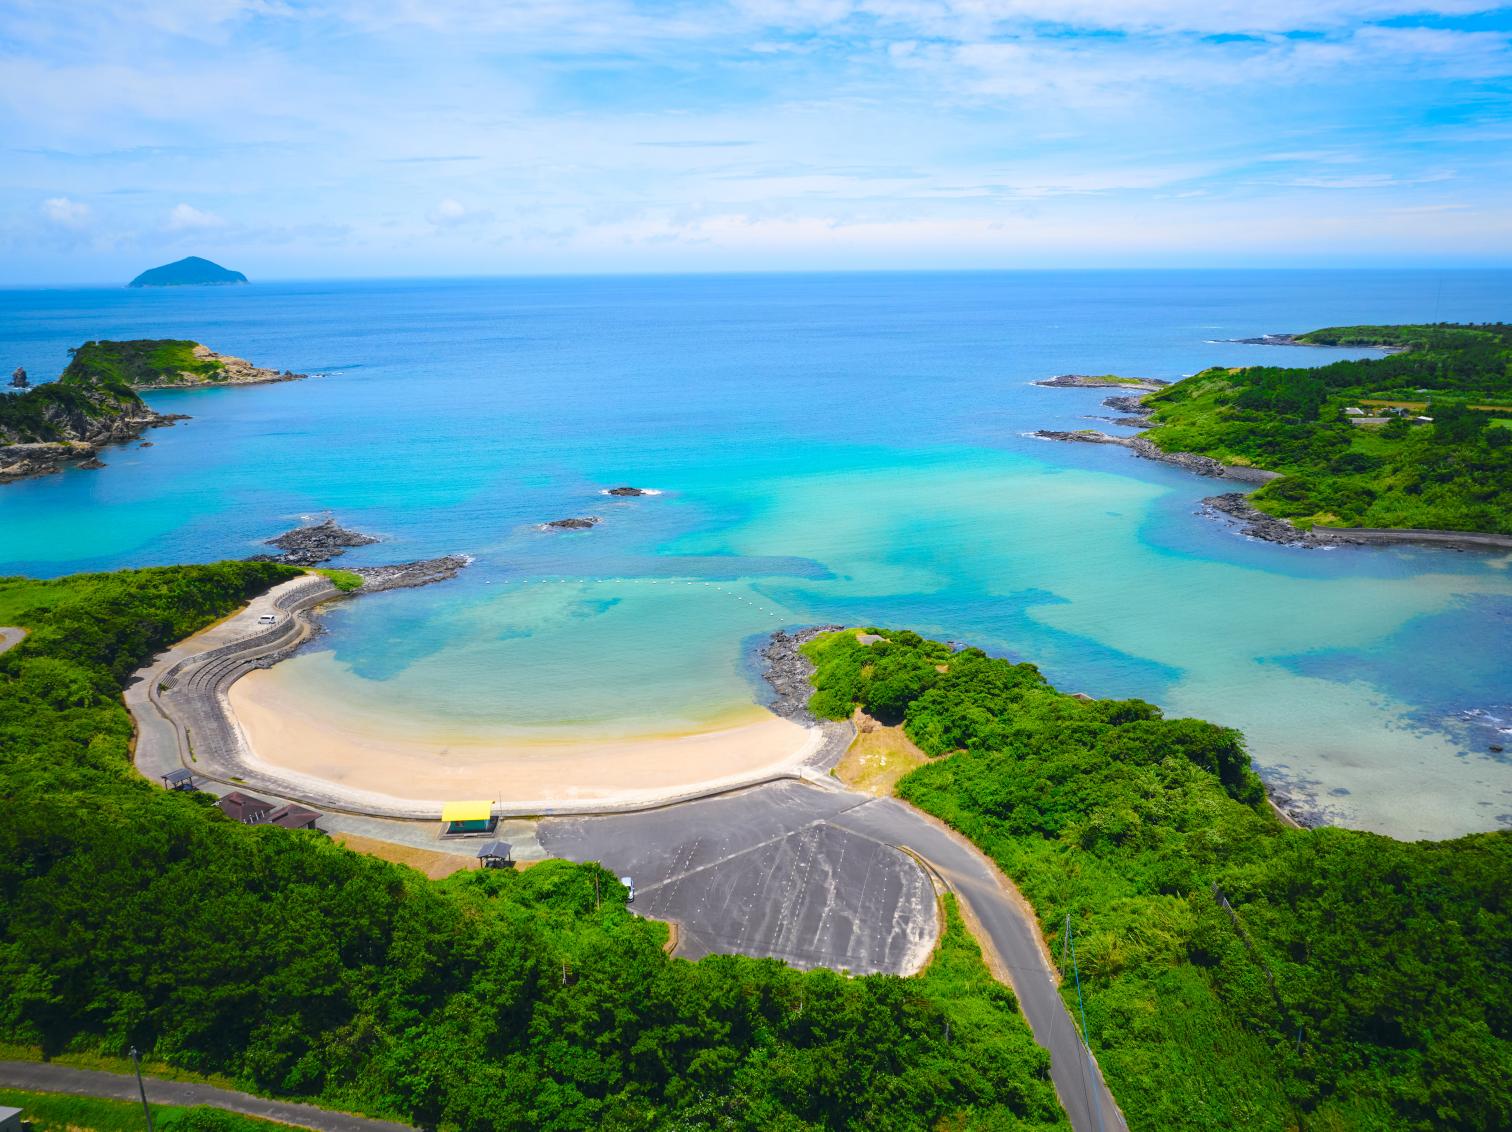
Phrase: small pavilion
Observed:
(179, 779)
(494, 855)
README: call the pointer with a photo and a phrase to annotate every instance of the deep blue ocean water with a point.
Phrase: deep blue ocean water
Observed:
(830, 448)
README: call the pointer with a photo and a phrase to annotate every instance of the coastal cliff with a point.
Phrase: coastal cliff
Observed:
(96, 401)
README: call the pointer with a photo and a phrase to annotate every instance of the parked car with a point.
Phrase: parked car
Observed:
(630, 884)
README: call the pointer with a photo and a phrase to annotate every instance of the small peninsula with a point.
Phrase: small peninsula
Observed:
(96, 401)
(191, 271)
(1416, 445)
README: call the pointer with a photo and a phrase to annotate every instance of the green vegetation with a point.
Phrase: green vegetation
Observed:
(1359, 983)
(140, 362)
(57, 1112)
(491, 1000)
(1454, 473)
(55, 412)
(343, 580)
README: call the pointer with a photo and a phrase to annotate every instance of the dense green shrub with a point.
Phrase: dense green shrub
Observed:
(1359, 982)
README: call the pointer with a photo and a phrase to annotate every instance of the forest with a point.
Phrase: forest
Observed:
(492, 1000)
(1237, 972)
(1452, 471)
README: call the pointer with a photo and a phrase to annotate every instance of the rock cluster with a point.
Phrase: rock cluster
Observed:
(406, 575)
(577, 524)
(312, 545)
(787, 671)
(627, 491)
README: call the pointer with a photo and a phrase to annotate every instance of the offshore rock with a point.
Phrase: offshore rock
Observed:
(627, 491)
(407, 575)
(577, 524)
(312, 545)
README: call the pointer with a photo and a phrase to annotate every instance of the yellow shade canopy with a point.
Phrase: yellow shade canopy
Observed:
(466, 811)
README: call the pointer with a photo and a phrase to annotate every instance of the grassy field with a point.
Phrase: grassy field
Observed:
(59, 1112)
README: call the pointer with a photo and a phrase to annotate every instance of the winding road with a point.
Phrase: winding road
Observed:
(45, 1077)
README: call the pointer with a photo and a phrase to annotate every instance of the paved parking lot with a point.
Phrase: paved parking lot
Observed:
(766, 872)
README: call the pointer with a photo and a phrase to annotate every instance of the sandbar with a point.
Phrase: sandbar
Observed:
(334, 758)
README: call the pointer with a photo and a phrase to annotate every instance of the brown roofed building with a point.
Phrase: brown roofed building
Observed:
(294, 817)
(245, 808)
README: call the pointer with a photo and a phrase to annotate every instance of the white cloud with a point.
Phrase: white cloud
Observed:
(66, 213)
(450, 213)
(187, 218)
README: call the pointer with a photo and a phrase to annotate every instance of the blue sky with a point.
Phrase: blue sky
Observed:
(432, 137)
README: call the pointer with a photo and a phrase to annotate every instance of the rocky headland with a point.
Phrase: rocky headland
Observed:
(313, 544)
(95, 401)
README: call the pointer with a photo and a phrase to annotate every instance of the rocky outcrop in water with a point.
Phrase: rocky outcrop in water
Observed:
(578, 524)
(408, 575)
(1107, 381)
(627, 491)
(314, 544)
(787, 671)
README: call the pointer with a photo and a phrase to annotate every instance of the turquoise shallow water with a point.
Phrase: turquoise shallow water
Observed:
(844, 448)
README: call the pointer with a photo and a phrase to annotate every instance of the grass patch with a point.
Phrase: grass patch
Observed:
(878, 758)
(343, 580)
(60, 1112)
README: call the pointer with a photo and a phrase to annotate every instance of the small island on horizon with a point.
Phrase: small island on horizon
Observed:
(191, 271)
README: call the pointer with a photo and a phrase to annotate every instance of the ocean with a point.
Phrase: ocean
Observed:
(828, 448)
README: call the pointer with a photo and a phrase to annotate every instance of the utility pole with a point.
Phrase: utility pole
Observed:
(136, 1061)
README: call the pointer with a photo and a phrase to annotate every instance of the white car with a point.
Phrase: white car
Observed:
(268, 619)
(630, 884)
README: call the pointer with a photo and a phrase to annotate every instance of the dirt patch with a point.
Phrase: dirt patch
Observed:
(878, 757)
(428, 861)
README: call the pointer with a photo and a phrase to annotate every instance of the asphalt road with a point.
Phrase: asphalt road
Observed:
(817, 877)
(10, 638)
(42, 1077)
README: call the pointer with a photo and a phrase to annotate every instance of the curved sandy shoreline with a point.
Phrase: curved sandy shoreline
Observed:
(287, 741)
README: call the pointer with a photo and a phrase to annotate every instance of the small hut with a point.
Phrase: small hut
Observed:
(494, 855)
(467, 818)
(179, 779)
(245, 808)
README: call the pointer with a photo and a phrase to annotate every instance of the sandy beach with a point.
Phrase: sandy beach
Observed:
(333, 757)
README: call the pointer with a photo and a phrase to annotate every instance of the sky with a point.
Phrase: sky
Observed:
(488, 137)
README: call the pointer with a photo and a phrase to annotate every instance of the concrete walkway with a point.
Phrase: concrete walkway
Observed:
(10, 637)
(44, 1077)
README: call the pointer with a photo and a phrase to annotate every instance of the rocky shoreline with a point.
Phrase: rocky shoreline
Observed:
(787, 671)
(89, 435)
(1254, 523)
(1187, 461)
